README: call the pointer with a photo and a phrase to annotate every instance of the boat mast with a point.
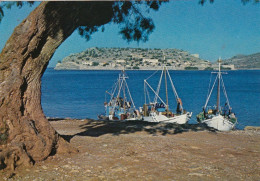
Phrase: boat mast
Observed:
(218, 96)
(166, 90)
(144, 93)
(124, 89)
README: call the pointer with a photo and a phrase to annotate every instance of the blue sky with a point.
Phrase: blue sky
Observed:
(222, 29)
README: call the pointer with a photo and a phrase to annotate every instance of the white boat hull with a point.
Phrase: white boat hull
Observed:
(180, 119)
(220, 123)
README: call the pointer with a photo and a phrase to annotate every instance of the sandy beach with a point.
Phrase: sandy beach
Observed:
(145, 151)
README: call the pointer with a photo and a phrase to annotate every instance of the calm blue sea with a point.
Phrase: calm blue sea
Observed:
(81, 94)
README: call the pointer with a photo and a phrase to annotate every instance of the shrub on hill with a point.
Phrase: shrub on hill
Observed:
(191, 68)
(95, 63)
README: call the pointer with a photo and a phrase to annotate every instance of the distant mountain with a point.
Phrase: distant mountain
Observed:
(132, 58)
(244, 61)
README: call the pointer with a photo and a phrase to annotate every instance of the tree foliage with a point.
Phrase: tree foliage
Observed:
(134, 24)
(8, 5)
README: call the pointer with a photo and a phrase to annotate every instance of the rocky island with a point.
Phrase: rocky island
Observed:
(245, 61)
(149, 59)
(132, 58)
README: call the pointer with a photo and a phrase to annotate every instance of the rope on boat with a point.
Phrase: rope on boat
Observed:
(130, 94)
(209, 84)
(173, 87)
(115, 88)
(113, 109)
(148, 95)
(155, 92)
(158, 88)
(152, 75)
(210, 93)
(225, 93)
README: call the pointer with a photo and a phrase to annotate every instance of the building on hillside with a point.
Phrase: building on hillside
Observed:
(120, 61)
(171, 61)
(112, 64)
(231, 66)
(203, 65)
(137, 56)
(89, 63)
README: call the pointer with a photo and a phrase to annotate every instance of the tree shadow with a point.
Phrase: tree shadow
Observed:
(96, 128)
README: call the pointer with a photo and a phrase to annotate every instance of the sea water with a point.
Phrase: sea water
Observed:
(81, 94)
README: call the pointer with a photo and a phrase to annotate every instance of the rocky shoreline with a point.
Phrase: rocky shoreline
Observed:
(140, 69)
(132, 58)
(144, 151)
(110, 68)
(96, 58)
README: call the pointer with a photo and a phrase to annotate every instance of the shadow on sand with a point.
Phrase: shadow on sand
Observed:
(95, 128)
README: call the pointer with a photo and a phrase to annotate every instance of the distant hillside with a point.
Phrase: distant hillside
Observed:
(245, 61)
(132, 58)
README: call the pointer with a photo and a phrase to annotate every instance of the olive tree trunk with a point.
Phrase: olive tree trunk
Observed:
(25, 133)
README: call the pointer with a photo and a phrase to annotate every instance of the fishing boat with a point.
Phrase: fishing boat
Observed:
(158, 110)
(121, 105)
(219, 118)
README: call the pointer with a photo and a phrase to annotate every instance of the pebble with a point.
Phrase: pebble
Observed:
(74, 171)
(118, 169)
(44, 167)
(66, 166)
(196, 174)
(88, 171)
(101, 177)
(195, 147)
(86, 153)
(230, 155)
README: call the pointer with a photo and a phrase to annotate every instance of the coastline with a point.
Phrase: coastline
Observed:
(147, 69)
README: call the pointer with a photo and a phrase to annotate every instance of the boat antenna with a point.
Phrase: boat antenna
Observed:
(123, 70)
(219, 74)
